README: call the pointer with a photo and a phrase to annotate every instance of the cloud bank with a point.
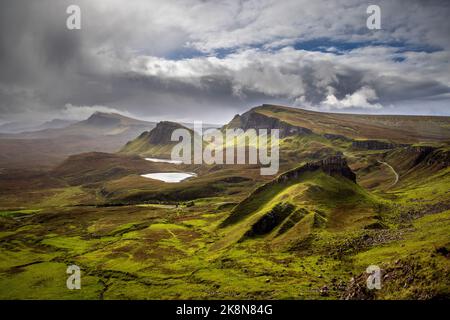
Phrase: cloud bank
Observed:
(204, 60)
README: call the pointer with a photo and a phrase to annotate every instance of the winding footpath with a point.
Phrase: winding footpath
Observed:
(393, 170)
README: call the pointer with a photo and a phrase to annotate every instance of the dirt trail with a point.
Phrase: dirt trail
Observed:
(393, 170)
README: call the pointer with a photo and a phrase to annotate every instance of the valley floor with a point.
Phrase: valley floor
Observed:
(172, 252)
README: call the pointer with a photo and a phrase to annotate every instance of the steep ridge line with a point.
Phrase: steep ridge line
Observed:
(333, 166)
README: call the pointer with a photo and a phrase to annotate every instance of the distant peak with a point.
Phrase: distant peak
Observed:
(162, 133)
(103, 119)
(103, 114)
(169, 125)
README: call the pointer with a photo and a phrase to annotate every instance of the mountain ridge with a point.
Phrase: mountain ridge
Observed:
(396, 128)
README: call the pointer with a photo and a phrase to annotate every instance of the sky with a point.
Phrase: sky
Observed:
(197, 60)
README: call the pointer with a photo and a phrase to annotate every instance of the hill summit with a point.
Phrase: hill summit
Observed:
(104, 119)
(334, 166)
(256, 120)
(162, 133)
(156, 143)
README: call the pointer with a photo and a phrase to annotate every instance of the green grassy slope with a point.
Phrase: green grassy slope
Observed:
(277, 211)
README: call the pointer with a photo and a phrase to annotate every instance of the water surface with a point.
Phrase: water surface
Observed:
(170, 177)
(164, 160)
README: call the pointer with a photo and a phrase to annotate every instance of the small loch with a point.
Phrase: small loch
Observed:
(164, 160)
(170, 177)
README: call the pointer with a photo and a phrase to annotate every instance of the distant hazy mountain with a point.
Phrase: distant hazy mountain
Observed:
(15, 127)
(111, 120)
(98, 124)
(101, 132)
(53, 141)
(55, 124)
(19, 127)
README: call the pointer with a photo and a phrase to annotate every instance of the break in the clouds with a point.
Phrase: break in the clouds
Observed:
(207, 60)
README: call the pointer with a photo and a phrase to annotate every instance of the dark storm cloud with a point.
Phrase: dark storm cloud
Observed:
(36, 55)
(123, 58)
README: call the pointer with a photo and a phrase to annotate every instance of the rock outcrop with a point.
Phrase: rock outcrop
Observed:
(440, 157)
(428, 155)
(162, 133)
(419, 153)
(255, 120)
(157, 142)
(333, 166)
(431, 155)
(375, 145)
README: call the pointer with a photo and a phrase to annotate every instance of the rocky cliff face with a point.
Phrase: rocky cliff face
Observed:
(255, 120)
(430, 155)
(333, 166)
(419, 153)
(440, 157)
(157, 142)
(419, 161)
(374, 145)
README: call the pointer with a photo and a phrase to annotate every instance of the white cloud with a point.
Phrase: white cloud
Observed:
(83, 112)
(362, 98)
(361, 76)
(135, 55)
